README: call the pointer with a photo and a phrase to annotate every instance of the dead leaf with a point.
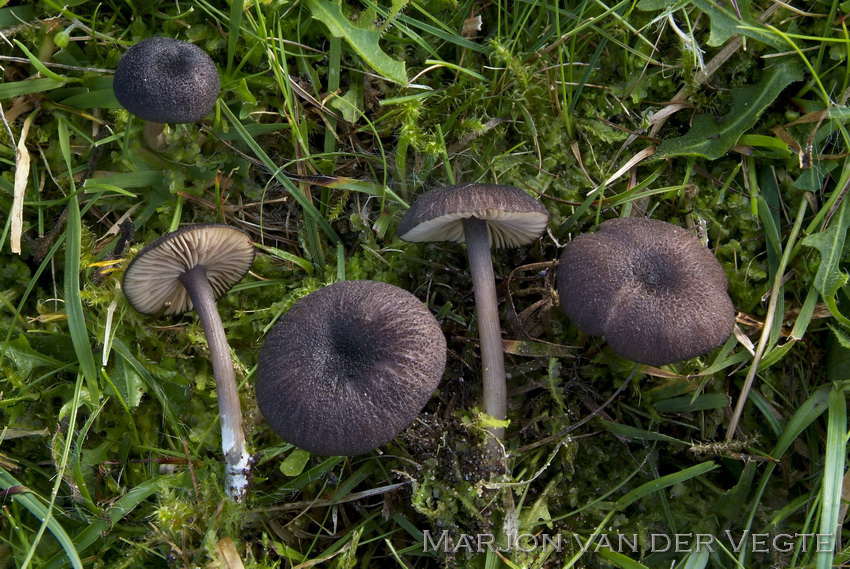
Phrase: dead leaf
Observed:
(227, 550)
(22, 174)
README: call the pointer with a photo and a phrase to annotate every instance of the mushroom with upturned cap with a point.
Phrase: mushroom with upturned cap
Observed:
(191, 268)
(349, 366)
(164, 80)
(651, 288)
(482, 215)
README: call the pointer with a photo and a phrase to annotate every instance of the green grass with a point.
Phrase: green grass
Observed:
(109, 450)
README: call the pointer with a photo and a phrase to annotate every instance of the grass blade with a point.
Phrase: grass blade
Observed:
(309, 209)
(37, 509)
(73, 302)
(636, 433)
(123, 506)
(805, 415)
(47, 518)
(664, 482)
(38, 64)
(833, 474)
(233, 34)
(27, 87)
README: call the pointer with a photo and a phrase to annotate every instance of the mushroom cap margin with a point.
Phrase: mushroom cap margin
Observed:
(151, 281)
(513, 217)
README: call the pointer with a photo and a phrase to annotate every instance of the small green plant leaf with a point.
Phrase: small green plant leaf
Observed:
(128, 383)
(704, 402)
(771, 146)
(696, 559)
(536, 349)
(618, 559)
(127, 180)
(397, 7)
(711, 137)
(38, 64)
(293, 465)
(364, 42)
(843, 339)
(830, 243)
(735, 498)
(300, 481)
(26, 359)
(93, 99)
(349, 105)
(16, 15)
(286, 256)
(725, 23)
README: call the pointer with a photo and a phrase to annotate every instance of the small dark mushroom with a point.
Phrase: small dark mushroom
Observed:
(651, 288)
(164, 80)
(482, 215)
(191, 268)
(349, 366)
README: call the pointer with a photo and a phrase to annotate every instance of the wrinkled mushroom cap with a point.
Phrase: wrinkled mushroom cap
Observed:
(651, 288)
(166, 80)
(513, 217)
(151, 281)
(349, 366)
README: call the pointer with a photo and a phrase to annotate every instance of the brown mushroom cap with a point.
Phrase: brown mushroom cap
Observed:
(349, 366)
(151, 281)
(513, 217)
(651, 288)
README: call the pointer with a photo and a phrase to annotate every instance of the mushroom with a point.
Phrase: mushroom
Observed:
(651, 288)
(164, 80)
(482, 215)
(349, 366)
(191, 268)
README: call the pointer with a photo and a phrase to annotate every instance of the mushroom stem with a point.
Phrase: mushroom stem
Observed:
(155, 135)
(236, 458)
(487, 311)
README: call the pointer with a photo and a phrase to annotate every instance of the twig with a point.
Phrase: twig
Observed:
(56, 65)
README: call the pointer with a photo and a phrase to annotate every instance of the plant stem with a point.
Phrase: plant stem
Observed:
(236, 458)
(487, 312)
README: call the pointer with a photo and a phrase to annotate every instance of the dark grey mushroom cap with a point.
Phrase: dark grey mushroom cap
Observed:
(151, 281)
(651, 288)
(349, 366)
(167, 81)
(513, 217)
